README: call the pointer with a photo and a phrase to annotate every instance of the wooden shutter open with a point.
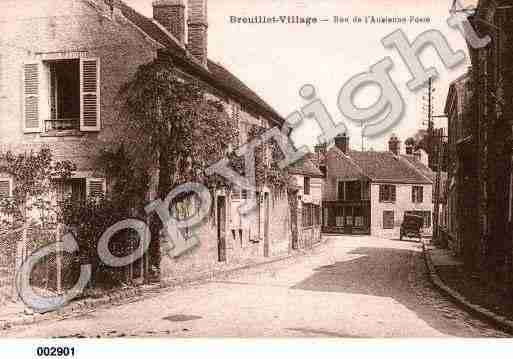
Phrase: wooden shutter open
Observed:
(96, 187)
(5, 188)
(31, 94)
(90, 95)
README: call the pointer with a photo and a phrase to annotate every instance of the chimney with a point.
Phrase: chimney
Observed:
(394, 145)
(409, 149)
(417, 156)
(320, 152)
(342, 142)
(198, 30)
(171, 15)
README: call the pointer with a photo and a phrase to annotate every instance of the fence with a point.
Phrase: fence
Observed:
(59, 272)
(9, 260)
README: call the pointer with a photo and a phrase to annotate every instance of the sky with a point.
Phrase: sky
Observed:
(277, 60)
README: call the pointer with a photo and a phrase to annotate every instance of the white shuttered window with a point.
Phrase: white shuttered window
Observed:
(96, 187)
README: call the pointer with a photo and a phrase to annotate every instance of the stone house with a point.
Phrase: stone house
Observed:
(62, 65)
(306, 203)
(457, 110)
(369, 192)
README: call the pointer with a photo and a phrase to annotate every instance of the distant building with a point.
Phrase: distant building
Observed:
(369, 192)
(457, 210)
(306, 203)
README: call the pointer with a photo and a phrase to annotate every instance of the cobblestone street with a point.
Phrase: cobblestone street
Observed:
(349, 287)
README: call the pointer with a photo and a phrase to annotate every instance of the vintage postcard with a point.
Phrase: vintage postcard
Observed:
(255, 169)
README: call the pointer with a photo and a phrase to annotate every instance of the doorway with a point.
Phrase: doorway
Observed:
(266, 225)
(221, 228)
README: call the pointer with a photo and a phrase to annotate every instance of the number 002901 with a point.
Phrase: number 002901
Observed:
(55, 352)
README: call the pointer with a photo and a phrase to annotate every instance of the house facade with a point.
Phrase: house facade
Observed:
(306, 203)
(369, 192)
(459, 133)
(63, 63)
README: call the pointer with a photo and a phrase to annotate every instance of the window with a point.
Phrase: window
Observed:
(387, 193)
(307, 215)
(64, 95)
(340, 191)
(74, 188)
(388, 219)
(307, 186)
(417, 194)
(61, 95)
(353, 191)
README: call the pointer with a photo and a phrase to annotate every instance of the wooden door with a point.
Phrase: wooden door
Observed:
(221, 228)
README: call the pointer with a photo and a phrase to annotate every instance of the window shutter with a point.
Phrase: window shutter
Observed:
(5, 188)
(96, 187)
(31, 91)
(90, 95)
(393, 190)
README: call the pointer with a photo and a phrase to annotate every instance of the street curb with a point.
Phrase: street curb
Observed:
(140, 293)
(500, 321)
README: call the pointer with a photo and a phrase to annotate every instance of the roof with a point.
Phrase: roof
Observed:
(305, 167)
(421, 167)
(377, 166)
(342, 166)
(387, 167)
(216, 75)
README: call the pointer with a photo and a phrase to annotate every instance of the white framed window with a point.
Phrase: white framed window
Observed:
(417, 194)
(62, 94)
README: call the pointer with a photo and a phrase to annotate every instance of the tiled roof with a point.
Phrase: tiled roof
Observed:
(341, 166)
(387, 167)
(305, 167)
(225, 77)
(422, 168)
(217, 76)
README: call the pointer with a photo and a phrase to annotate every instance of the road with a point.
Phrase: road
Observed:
(351, 287)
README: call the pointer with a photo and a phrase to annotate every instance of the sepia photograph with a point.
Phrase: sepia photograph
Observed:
(254, 170)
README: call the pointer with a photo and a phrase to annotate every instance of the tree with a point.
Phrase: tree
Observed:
(32, 173)
(169, 126)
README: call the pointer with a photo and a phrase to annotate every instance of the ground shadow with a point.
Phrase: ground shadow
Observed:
(399, 274)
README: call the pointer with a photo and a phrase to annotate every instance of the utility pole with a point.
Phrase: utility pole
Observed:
(428, 101)
(438, 181)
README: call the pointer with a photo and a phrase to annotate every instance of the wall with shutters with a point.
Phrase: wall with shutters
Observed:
(203, 259)
(402, 204)
(34, 31)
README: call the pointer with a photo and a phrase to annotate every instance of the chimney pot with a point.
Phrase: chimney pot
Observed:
(394, 145)
(197, 26)
(171, 15)
(342, 142)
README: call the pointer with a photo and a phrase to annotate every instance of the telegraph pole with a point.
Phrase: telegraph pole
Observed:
(428, 101)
